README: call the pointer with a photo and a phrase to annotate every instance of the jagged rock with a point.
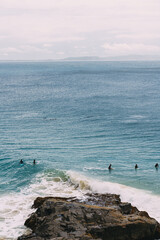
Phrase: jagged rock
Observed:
(101, 217)
(126, 208)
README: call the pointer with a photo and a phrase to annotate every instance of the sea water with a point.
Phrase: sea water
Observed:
(74, 119)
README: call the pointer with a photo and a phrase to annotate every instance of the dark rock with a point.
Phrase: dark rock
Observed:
(101, 217)
(40, 200)
(126, 208)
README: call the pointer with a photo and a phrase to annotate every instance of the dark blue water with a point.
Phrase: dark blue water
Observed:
(80, 116)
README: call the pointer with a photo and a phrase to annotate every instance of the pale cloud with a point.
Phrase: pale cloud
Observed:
(3, 37)
(47, 45)
(125, 25)
(60, 53)
(30, 48)
(137, 36)
(53, 39)
(80, 47)
(5, 52)
(10, 50)
(137, 5)
(123, 48)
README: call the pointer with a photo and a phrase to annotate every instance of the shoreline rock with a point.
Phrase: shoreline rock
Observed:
(99, 216)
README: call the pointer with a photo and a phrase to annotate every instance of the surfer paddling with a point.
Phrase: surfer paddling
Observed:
(21, 161)
(156, 165)
(110, 167)
(136, 166)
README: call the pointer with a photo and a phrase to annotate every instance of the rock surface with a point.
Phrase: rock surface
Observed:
(97, 217)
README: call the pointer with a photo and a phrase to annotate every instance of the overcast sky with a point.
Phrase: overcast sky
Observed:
(51, 29)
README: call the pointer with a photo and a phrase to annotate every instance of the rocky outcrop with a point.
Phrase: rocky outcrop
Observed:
(97, 217)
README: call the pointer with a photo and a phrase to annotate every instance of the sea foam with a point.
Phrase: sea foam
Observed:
(16, 207)
(143, 200)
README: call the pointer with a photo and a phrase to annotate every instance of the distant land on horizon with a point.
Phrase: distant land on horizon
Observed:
(115, 58)
(92, 58)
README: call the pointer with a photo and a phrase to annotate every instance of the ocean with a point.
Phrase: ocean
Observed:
(74, 119)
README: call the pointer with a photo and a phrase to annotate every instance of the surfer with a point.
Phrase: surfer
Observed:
(110, 167)
(136, 166)
(156, 165)
(34, 161)
(21, 161)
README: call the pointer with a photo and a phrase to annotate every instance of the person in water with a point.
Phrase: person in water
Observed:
(110, 167)
(136, 166)
(34, 161)
(21, 161)
(156, 165)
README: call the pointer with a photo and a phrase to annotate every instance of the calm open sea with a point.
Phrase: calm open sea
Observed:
(75, 118)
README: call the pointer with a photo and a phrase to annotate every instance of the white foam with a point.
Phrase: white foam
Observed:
(143, 200)
(135, 119)
(95, 168)
(138, 116)
(27, 115)
(15, 207)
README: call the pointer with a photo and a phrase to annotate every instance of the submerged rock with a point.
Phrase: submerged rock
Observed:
(98, 217)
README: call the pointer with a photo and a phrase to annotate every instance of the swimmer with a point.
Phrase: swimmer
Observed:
(110, 167)
(34, 161)
(136, 166)
(21, 161)
(156, 165)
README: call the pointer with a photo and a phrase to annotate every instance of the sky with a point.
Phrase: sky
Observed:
(57, 29)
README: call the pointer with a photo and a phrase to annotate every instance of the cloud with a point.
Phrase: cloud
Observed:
(47, 45)
(3, 37)
(126, 49)
(60, 53)
(54, 39)
(124, 26)
(50, 4)
(10, 50)
(137, 36)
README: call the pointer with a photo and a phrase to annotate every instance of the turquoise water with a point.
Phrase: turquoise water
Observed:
(79, 116)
